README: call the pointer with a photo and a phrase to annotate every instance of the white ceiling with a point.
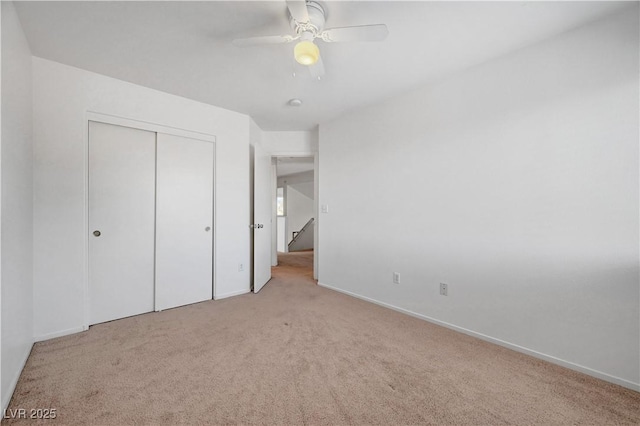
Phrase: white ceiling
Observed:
(184, 48)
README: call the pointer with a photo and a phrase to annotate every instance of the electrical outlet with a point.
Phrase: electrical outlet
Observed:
(444, 289)
(396, 277)
(240, 267)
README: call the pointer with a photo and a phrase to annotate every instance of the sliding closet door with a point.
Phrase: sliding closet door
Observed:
(121, 221)
(184, 221)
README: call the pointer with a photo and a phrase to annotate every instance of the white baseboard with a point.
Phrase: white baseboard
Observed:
(231, 294)
(61, 333)
(6, 397)
(586, 370)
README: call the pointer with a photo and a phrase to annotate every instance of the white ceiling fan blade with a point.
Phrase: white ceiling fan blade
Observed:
(375, 32)
(258, 41)
(317, 69)
(298, 10)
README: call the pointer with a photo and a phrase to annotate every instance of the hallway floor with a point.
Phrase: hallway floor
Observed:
(298, 263)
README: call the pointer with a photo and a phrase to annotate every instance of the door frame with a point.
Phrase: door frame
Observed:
(316, 206)
(141, 125)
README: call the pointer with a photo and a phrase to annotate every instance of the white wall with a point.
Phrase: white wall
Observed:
(515, 182)
(305, 188)
(298, 178)
(16, 205)
(299, 210)
(299, 192)
(61, 97)
(294, 142)
(274, 213)
(281, 237)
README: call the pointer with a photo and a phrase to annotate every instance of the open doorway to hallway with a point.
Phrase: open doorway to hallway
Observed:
(295, 210)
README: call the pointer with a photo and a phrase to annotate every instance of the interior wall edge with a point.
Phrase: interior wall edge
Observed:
(17, 202)
(549, 358)
(61, 333)
(8, 394)
(2, 397)
(231, 294)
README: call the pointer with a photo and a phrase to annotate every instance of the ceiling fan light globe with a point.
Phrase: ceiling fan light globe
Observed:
(306, 52)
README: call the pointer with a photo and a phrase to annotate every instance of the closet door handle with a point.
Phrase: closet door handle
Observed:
(96, 233)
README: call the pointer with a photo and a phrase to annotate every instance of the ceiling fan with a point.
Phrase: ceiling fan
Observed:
(307, 19)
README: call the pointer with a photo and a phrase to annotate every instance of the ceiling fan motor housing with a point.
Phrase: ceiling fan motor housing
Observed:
(307, 19)
(316, 20)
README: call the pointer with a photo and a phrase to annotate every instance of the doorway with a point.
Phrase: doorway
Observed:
(270, 171)
(295, 210)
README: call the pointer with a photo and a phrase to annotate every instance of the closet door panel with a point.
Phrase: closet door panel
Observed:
(121, 221)
(184, 221)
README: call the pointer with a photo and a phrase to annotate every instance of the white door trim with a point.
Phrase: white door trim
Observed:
(146, 125)
(142, 125)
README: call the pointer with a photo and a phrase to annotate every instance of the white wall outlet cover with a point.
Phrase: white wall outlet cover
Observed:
(444, 289)
(324, 208)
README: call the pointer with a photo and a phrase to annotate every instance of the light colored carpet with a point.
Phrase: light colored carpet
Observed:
(297, 353)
